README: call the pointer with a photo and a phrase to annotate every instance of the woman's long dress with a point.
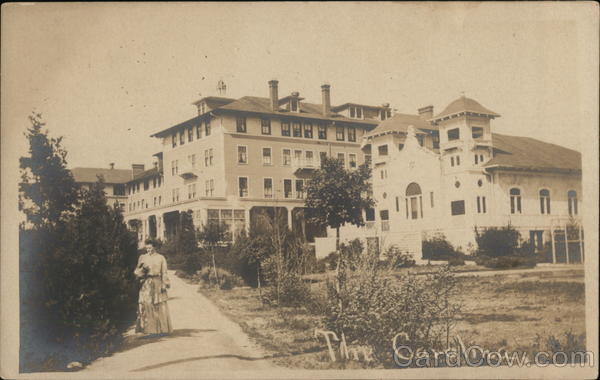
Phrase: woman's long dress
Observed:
(153, 311)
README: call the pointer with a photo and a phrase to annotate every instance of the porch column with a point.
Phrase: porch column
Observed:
(289, 217)
(247, 220)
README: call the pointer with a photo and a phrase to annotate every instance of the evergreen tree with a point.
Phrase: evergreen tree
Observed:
(188, 243)
(47, 190)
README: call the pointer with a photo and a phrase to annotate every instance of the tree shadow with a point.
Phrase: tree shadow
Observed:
(133, 341)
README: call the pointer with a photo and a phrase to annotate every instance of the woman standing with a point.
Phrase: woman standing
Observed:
(153, 312)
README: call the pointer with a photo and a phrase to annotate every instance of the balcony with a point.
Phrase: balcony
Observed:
(304, 165)
(187, 171)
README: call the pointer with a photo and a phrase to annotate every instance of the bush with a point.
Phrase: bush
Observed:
(398, 259)
(226, 279)
(497, 242)
(456, 261)
(192, 262)
(330, 261)
(439, 248)
(506, 262)
(286, 287)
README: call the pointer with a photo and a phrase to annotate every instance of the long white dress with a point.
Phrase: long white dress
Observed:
(153, 311)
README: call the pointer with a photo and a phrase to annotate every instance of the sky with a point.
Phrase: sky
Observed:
(106, 76)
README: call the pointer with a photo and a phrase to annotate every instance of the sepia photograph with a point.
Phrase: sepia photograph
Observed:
(299, 190)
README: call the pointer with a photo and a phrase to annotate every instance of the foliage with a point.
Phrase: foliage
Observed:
(397, 259)
(506, 262)
(338, 196)
(439, 248)
(287, 287)
(192, 262)
(212, 234)
(330, 261)
(572, 346)
(497, 242)
(47, 190)
(226, 279)
(374, 308)
(187, 243)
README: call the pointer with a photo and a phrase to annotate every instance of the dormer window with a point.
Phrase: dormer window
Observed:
(477, 132)
(201, 108)
(385, 114)
(453, 134)
(294, 105)
(356, 112)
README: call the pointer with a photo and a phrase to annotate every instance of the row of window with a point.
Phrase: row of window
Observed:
(292, 189)
(142, 204)
(190, 133)
(544, 199)
(136, 187)
(454, 133)
(300, 157)
(208, 161)
(298, 129)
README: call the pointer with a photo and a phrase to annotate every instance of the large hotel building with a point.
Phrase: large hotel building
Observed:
(445, 173)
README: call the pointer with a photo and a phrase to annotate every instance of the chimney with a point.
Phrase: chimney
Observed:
(326, 99)
(274, 94)
(137, 169)
(426, 112)
(112, 165)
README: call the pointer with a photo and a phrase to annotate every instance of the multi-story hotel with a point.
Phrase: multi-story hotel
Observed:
(449, 174)
(241, 157)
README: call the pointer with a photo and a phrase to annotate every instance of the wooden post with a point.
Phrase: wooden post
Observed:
(566, 244)
(553, 244)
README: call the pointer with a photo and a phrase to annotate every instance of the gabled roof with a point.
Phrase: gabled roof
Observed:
(307, 110)
(463, 105)
(147, 174)
(90, 175)
(526, 153)
(399, 123)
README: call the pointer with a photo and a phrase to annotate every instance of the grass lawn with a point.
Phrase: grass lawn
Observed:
(505, 310)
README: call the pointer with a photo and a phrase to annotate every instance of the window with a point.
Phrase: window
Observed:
(339, 133)
(207, 127)
(265, 126)
(308, 156)
(210, 156)
(356, 112)
(384, 215)
(192, 160)
(414, 204)
(294, 105)
(322, 132)
(296, 129)
(352, 134)
(322, 156)
(266, 156)
(545, 201)
(477, 132)
(159, 199)
(287, 188)
(342, 158)
(240, 124)
(191, 191)
(285, 128)
(384, 114)
(175, 193)
(119, 189)
(476, 159)
(268, 187)
(300, 189)
(397, 204)
(233, 220)
(297, 157)
(431, 198)
(382, 150)
(174, 140)
(400, 146)
(368, 160)
(457, 160)
(352, 160)
(243, 186)
(515, 201)
(383, 173)
(209, 187)
(242, 154)
(174, 168)
(308, 130)
(421, 139)
(453, 134)
(572, 196)
(370, 214)
(286, 157)
(481, 158)
(146, 185)
(451, 161)
(181, 137)
(457, 207)
(198, 130)
(190, 133)
(481, 208)
(435, 137)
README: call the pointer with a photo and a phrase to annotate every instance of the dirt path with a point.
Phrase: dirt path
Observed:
(203, 340)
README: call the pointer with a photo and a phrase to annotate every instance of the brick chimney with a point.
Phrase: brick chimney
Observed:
(137, 169)
(426, 112)
(326, 99)
(274, 94)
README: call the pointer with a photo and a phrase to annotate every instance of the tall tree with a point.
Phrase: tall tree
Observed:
(47, 188)
(338, 196)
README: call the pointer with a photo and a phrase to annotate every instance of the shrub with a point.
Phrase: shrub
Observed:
(497, 242)
(330, 261)
(573, 346)
(456, 261)
(438, 248)
(226, 280)
(506, 262)
(286, 287)
(192, 262)
(398, 259)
